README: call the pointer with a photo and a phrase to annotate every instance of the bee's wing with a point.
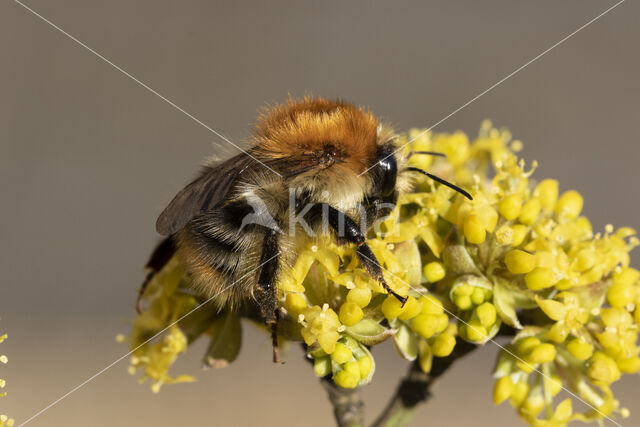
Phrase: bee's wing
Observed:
(202, 194)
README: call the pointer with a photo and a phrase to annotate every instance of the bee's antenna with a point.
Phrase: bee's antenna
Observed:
(427, 153)
(441, 181)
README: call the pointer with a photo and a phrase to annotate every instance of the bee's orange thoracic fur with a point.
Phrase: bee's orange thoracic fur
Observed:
(310, 124)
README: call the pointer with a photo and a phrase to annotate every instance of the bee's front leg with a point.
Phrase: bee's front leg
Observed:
(266, 292)
(347, 230)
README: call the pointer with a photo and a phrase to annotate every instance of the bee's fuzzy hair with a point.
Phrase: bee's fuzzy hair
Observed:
(309, 124)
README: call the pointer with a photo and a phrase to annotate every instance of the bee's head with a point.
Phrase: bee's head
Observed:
(329, 147)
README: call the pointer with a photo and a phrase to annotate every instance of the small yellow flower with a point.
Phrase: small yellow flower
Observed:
(320, 324)
(603, 369)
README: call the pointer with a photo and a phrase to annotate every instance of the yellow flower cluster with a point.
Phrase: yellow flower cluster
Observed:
(518, 257)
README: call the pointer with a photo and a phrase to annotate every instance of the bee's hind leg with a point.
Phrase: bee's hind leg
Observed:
(266, 292)
(347, 230)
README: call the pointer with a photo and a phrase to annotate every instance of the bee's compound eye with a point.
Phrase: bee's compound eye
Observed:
(389, 170)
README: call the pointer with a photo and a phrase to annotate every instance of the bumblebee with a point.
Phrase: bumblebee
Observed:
(314, 166)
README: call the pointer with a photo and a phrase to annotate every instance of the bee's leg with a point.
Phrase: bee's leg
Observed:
(347, 230)
(266, 291)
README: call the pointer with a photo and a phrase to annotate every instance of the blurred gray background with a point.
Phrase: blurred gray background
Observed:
(88, 158)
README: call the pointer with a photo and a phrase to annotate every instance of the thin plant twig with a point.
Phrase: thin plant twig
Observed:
(348, 407)
(415, 388)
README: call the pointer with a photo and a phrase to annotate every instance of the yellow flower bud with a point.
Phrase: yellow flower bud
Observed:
(425, 356)
(350, 314)
(530, 212)
(486, 314)
(584, 227)
(603, 369)
(555, 384)
(464, 289)
(610, 341)
(502, 389)
(630, 365)
(585, 259)
(547, 192)
(411, 309)
(443, 345)
(477, 297)
(626, 276)
(294, 304)
(488, 216)
(463, 302)
(425, 325)
(555, 310)
(359, 296)
(391, 307)
(525, 366)
(569, 205)
(431, 305)
(352, 367)
(443, 322)
(474, 229)
(365, 364)
(563, 284)
(475, 331)
(519, 262)
(533, 404)
(510, 207)
(544, 353)
(519, 233)
(580, 349)
(434, 271)
(519, 394)
(621, 294)
(341, 354)
(527, 344)
(539, 278)
(322, 366)
(545, 259)
(612, 317)
(346, 379)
